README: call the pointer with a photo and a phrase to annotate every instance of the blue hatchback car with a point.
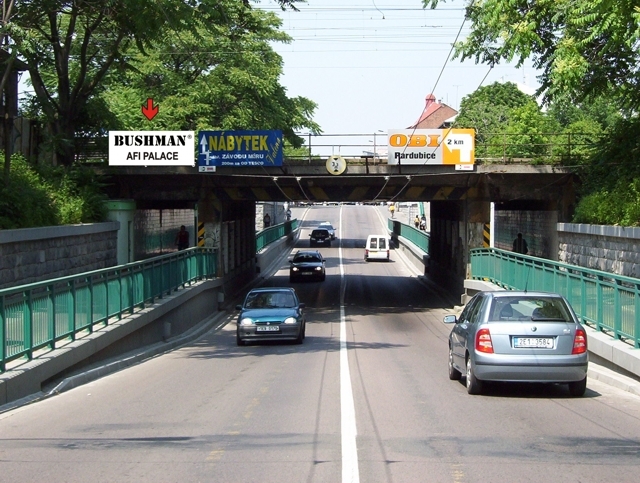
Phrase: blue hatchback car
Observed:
(271, 313)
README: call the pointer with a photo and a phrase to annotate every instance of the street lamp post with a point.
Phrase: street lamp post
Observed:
(375, 149)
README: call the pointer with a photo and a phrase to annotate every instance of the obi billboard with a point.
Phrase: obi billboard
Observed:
(239, 149)
(432, 146)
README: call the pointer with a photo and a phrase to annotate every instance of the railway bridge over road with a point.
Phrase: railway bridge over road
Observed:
(464, 205)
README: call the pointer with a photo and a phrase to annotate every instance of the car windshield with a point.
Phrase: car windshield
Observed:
(540, 309)
(305, 258)
(319, 232)
(262, 300)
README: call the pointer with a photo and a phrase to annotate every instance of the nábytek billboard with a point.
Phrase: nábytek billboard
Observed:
(239, 149)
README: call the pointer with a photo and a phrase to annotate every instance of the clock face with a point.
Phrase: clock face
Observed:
(336, 164)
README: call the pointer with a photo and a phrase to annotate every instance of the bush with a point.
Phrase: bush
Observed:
(49, 196)
(24, 199)
(620, 206)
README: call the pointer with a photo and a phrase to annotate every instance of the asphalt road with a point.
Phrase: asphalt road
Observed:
(365, 398)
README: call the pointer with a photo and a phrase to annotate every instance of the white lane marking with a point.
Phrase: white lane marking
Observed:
(350, 472)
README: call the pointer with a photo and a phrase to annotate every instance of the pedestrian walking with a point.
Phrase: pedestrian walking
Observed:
(182, 238)
(520, 245)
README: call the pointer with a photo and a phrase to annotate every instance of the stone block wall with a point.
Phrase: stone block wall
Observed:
(32, 255)
(612, 249)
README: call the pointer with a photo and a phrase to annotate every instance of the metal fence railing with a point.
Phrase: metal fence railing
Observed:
(608, 303)
(38, 315)
(273, 233)
(418, 237)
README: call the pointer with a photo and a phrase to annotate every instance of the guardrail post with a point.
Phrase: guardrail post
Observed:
(91, 300)
(617, 311)
(3, 335)
(51, 315)
(28, 325)
(599, 308)
(636, 324)
(71, 314)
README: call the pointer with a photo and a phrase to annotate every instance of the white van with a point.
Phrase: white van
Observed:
(377, 248)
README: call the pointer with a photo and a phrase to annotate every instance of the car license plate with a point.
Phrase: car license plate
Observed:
(533, 342)
(306, 273)
(268, 328)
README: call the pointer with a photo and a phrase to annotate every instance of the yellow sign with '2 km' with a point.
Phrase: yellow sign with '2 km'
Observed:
(432, 146)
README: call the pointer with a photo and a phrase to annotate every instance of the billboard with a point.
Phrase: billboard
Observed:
(432, 146)
(151, 148)
(239, 149)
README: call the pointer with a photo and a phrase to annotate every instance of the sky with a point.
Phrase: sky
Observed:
(370, 64)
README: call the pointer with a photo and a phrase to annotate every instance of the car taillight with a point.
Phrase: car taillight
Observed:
(483, 341)
(579, 342)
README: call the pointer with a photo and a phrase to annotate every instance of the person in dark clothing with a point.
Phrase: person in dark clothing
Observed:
(520, 245)
(266, 220)
(182, 238)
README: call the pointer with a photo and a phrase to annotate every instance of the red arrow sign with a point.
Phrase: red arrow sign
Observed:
(149, 111)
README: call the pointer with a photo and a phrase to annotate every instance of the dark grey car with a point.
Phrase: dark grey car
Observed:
(518, 337)
(320, 236)
(307, 265)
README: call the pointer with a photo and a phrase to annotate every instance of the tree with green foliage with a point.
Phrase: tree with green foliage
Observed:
(532, 135)
(610, 193)
(584, 125)
(70, 47)
(489, 110)
(583, 48)
(588, 56)
(215, 80)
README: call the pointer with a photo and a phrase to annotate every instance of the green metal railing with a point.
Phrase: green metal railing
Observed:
(418, 237)
(273, 233)
(608, 303)
(38, 315)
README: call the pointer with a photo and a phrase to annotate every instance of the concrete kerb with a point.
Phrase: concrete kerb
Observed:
(23, 383)
(215, 322)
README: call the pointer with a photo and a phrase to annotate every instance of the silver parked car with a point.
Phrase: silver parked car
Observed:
(518, 337)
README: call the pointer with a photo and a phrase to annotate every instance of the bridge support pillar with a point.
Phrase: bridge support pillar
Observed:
(229, 226)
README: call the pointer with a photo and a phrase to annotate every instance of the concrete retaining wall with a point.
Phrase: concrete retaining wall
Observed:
(31, 255)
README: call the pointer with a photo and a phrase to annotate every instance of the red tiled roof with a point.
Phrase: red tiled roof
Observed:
(431, 106)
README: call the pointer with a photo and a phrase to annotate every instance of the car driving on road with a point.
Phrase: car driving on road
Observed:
(270, 313)
(307, 265)
(327, 225)
(320, 236)
(515, 336)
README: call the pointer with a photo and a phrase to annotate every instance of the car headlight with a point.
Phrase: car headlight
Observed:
(318, 269)
(290, 320)
(295, 269)
(246, 321)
